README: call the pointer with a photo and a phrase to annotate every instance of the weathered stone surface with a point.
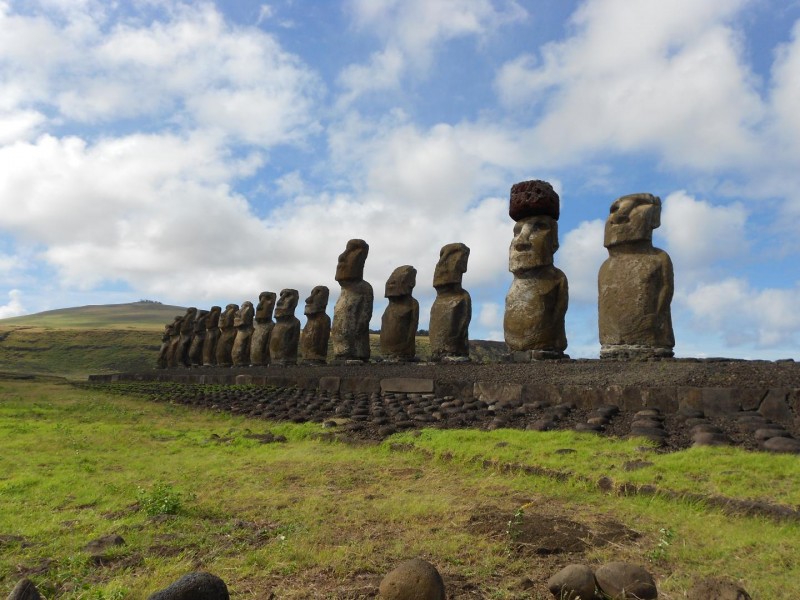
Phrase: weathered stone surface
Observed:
(783, 445)
(243, 321)
(690, 398)
(329, 384)
(212, 337)
(174, 350)
(664, 399)
(635, 283)
(775, 406)
(573, 582)
(198, 339)
(227, 335)
(401, 318)
(407, 385)
(187, 331)
(24, 590)
(171, 331)
(317, 331)
(353, 310)
(285, 336)
(194, 586)
(243, 379)
(451, 311)
(719, 402)
(415, 579)
(359, 385)
(262, 327)
(505, 394)
(533, 198)
(101, 544)
(537, 300)
(625, 581)
(713, 588)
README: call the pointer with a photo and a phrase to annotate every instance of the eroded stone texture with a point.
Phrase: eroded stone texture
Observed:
(315, 335)
(185, 343)
(227, 335)
(573, 582)
(212, 336)
(170, 330)
(353, 310)
(262, 328)
(415, 579)
(635, 283)
(451, 312)
(401, 317)
(625, 581)
(243, 321)
(24, 590)
(198, 339)
(537, 300)
(174, 349)
(285, 336)
(194, 586)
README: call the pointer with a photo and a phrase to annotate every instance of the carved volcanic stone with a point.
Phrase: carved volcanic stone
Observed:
(262, 328)
(353, 310)
(227, 335)
(212, 336)
(185, 343)
(198, 339)
(243, 321)
(415, 579)
(174, 350)
(315, 335)
(166, 338)
(401, 317)
(283, 340)
(532, 198)
(451, 311)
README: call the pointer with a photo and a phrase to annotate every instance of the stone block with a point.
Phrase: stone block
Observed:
(504, 394)
(329, 384)
(407, 385)
(360, 385)
(690, 398)
(259, 379)
(751, 398)
(532, 392)
(625, 397)
(665, 399)
(584, 396)
(775, 407)
(244, 379)
(719, 402)
(457, 389)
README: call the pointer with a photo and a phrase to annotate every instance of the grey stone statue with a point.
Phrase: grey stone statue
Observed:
(227, 335)
(635, 283)
(170, 330)
(198, 339)
(353, 310)
(174, 349)
(259, 344)
(187, 332)
(243, 321)
(536, 303)
(285, 336)
(451, 312)
(315, 335)
(212, 337)
(401, 317)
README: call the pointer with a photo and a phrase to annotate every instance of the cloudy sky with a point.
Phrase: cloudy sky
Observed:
(197, 153)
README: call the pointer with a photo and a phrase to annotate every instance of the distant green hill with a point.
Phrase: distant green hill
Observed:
(134, 315)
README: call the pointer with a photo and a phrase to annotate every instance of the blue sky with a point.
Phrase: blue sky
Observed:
(197, 153)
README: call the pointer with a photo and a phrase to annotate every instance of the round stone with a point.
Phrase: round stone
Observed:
(415, 579)
(624, 581)
(572, 582)
(783, 445)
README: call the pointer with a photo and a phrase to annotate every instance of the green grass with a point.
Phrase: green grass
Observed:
(310, 518)
(134, 315)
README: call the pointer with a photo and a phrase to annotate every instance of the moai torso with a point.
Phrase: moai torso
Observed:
(401, 318)
(259, 343)
(164, 349)
(243, 321)
(285, 336)
(635, 283)
(353, 310)
(451, 311)
(174, 350)
(315, 335)
(187, 332)
(227, 335)
(198, 339)
(212, 337)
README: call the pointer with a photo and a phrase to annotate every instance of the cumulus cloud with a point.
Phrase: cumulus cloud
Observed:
(580, 255)
(14, 307)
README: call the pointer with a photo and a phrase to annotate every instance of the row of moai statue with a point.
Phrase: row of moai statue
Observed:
(247, 336)
(635, 288)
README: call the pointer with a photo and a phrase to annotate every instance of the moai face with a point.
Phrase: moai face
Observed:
(451, 266)
(200, 321)
(266, 303)
(287, 303)
(317, 301)
(401, 282)
(632, 219)
(351, 262)
(212, 318)
(534, 244)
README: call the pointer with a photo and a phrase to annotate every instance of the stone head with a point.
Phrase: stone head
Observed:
(212, 318)
(287, 303)
(317, 301)
(226, 319)
(452, 265)
(534, 244)
(266, 303)
(200, 321)
(175, 326)
(187, 323)
(401, 282)
(351, 262)
(632, 219)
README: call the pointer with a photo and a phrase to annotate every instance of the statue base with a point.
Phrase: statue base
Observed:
(526, 356)
(634, 352)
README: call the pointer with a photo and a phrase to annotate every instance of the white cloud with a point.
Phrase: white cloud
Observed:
(580, 255)
(14, 308)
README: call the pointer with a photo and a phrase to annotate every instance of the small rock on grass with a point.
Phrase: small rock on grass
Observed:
(194, 586)
(24, 590)
(415, 579)
(783, 444)
(573, 582)
(625, 581)
(713, 588)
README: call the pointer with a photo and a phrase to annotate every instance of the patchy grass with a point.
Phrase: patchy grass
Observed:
(306, 518)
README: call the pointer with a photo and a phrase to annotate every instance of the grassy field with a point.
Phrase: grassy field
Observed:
(150, 316)
(314, 518)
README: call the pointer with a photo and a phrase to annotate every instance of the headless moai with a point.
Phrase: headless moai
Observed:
(187, 332)
(198, 339)
(315, 335)
(174, 349)
(227, 335)
(401, 317)
(536, 303)
(285, 336)
(451, 312)
(635, 283)
(259, 343)
(212, 336)
(243, 321)
(166, 337)
(353, 310)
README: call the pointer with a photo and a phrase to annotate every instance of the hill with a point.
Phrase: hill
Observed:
(133, 315)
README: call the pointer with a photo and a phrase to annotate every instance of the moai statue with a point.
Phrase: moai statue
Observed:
(227, 335)
(243, 321)
(212, 337)
(401, 317)
(259, 344)
(315, 335)
(353, 310)
(174, 350)
(635, 283)
(166, 337)
(537, 301)
(285, 335)
(198, 339)
(452, 310)
(187, 332)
